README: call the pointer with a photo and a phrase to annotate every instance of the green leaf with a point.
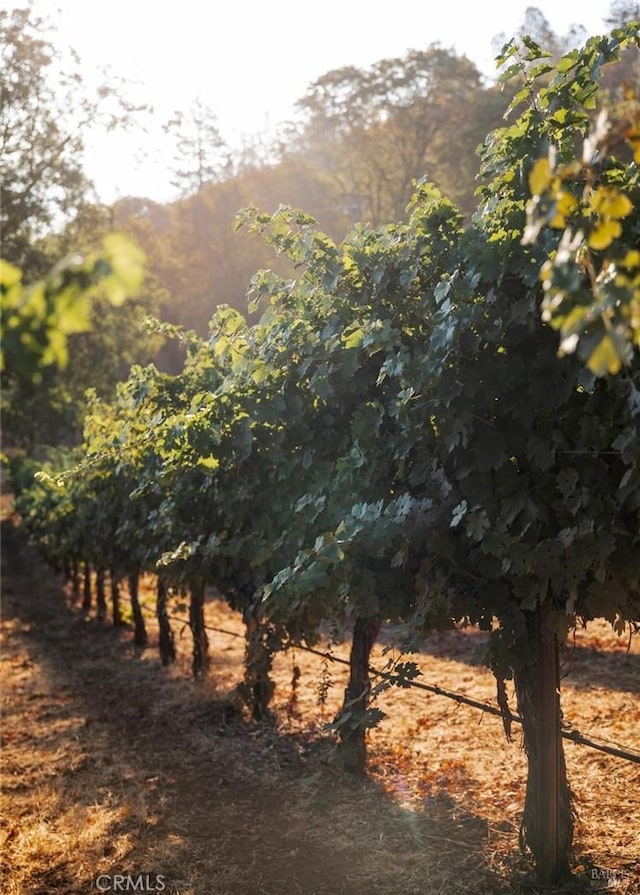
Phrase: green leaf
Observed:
(608, 356)
(354, 338)
(210, 464)
(127, 267)
(477, 524)
(458, 514)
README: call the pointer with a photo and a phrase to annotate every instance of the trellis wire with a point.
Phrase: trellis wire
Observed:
(573, 735)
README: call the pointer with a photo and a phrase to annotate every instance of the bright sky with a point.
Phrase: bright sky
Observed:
(250, 60)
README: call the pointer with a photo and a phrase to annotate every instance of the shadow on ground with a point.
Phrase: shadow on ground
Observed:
(135, 772)
(584, 667)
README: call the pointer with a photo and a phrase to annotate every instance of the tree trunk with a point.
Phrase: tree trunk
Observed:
(86, 591)
(115, 599)
(352, 731)
(547, 824)
(75, 580)
(258, 688)
(100, 594)
(139, 629)
(200, 663)
(166, 640)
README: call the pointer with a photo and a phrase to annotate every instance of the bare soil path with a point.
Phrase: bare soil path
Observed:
(115, 768)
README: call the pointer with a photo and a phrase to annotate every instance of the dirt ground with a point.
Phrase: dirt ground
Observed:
(119, 774)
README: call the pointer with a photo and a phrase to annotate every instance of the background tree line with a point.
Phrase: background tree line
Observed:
(361, 139)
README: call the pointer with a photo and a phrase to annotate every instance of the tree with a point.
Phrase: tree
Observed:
(201, 227)
(60, 333)
(375, 132)
(201, 154)
(44, 116)
(41, 175)
(623, 12)
(536, 27)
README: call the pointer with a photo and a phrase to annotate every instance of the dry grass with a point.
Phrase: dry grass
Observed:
(114, 764)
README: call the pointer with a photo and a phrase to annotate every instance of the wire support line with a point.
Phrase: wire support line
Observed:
(573, 736)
